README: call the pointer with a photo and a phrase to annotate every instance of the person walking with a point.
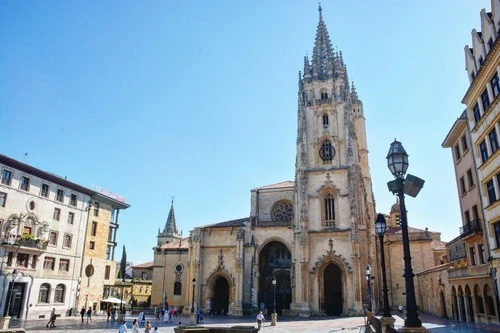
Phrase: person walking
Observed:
(89, 314)
(82, 313)
(156, 330)
(260, 319)
(123, 327)
(148, 327)
(52, 319)
(135, 326)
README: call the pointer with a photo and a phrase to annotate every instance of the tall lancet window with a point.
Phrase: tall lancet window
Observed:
(329, 210)
(325, 120)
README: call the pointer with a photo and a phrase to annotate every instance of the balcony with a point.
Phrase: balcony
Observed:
(471, 228)
(27, 242)
(470, 271)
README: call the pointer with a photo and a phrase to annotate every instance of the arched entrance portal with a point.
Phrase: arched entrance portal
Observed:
(220, 301)
(332, 280)
(275, 262)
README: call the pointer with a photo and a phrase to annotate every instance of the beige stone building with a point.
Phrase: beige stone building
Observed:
(142, 277)
(312, 236)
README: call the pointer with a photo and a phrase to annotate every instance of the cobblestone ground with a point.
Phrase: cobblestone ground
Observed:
(284, 325)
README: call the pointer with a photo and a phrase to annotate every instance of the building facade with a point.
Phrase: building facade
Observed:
(43, 220)
(306, 244)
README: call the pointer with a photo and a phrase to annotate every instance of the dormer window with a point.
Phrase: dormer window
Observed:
(325, 120)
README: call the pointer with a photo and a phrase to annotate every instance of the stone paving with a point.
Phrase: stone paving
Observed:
(284, 325)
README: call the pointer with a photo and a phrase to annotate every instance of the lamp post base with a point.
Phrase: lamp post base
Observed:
(191, 318)
(274, 318)
(4, 322)
(386, 322)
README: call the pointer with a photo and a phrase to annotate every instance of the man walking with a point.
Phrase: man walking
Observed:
(260, 319)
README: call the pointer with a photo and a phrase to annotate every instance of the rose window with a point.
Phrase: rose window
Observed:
(283, 212)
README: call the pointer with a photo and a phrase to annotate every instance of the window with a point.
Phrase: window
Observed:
(3, 198)
(324, 95)
(493, 140)
(475, 213)
(143, 276)
(327, 152)
(110, 234)
(490, 43)
(112, 216)
(109, 252)
(49, 263)
(72, 201)
(465, 146)
(22, 260)
(59, 294)
(64, 265)
(43, 295)
(467, 216)
(6, 177)
(484, 151)
(67, 241)
(177, 288)
(33, 261)
(26, 230)
(57, 214)
(91, 245)
(485, 99)
(329, 210)
(479, 302)
(25, 183)
(482, 258)
(472, 252)
(490, 188)
(71, 218)
(325, 120)
(96, 209)
(481, 61)
(93, 230)
(107, 272)
(462, 186)
(470, 179)
(495, 86)
(44, 192)
(53, 238)
(60, 195)
(476, 113)
(496, 229)
(457, 152)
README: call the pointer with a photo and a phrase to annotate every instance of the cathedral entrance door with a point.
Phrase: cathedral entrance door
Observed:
(332, 280)
(220, 301)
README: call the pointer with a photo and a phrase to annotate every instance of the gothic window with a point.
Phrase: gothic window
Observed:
(43, 295)
(324, 95)
(328, 210)
(59, 294)
(325, 120)
(327, 152)
(177, 288)
(282, 211)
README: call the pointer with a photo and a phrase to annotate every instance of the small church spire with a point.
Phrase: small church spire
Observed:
(322, 58)
(170, 226)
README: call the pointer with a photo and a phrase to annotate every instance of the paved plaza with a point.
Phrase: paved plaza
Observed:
(284, 325)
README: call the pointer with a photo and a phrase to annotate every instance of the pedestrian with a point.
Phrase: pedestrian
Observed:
(82, 312)
(400, 308)
(52, 319)
(89, 314)
(166, 316)
(148, 327)
(156, 330)
(108, 313)
(260, 319)
(123, 328)
(135, 326)
(113, 314)
(197, 315)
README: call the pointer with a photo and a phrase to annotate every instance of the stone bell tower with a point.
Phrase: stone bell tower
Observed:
(334, 206)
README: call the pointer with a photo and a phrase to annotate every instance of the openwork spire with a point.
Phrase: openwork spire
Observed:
(322, 59)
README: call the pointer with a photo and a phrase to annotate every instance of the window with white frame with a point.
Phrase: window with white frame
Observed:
(60, 195)
(60, 293)
(3, 199)
(44, 191)
(57, 214)
(71, 218)
(6, 177)
(53, 238)
(67, 241)
(44, 292)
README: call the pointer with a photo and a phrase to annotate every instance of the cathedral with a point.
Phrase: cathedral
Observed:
(306, 245)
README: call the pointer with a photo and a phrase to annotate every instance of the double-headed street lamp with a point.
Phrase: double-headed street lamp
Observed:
(380, 227)
(397, 162)
(369, 286)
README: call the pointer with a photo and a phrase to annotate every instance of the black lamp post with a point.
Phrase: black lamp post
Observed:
(121, 298)
(380, 227)
(14, 276)
(274, 294)
(397, 161)
(192, 300)
(369, 286)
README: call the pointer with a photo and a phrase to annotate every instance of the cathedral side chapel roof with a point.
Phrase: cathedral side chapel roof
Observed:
(148, 264)
(176, 244)
(231, 223)
(287, 183)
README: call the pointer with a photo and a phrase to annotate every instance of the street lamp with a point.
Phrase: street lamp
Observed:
(192, 300)
(369, 286)
(397, 162)
(380, 227)
(121, 298)
(273, 315)
(14, 276)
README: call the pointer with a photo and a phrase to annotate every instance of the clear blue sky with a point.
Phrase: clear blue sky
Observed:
(198, 99)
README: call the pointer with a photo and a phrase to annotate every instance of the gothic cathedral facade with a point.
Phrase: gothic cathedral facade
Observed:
(306, 244)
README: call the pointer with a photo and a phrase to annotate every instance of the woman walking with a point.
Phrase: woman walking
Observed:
(135, 326)
(148, 327)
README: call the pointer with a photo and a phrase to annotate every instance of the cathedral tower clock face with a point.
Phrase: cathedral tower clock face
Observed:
(327, 152)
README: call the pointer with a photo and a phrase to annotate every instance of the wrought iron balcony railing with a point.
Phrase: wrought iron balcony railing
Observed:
(472, 227)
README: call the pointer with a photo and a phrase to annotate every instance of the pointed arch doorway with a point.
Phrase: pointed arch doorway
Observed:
(220, 300)
(332, 290)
